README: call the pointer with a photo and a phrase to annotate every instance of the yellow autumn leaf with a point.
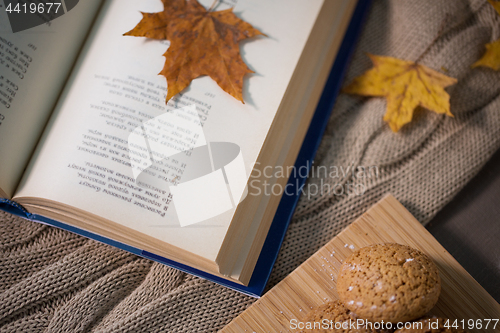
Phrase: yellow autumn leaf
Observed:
(491, 57)
(496, 5)
(405, 85)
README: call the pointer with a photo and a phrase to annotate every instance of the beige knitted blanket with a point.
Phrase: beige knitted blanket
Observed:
(54, 281)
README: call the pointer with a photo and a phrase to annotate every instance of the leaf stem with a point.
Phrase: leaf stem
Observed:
(214, 4)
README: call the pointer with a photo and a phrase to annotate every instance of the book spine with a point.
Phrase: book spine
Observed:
(13, 207)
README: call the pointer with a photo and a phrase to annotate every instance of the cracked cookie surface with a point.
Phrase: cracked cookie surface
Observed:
(390, 282)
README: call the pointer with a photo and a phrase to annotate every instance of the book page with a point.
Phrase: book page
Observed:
(116, 150)
(33, 66)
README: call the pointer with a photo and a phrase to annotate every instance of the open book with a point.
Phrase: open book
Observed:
(89, 144)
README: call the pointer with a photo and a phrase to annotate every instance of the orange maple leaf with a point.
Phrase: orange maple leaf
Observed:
(201, 43)
(491, 57)
(405, 85)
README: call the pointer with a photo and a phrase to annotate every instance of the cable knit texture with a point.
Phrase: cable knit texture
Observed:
(54, 281)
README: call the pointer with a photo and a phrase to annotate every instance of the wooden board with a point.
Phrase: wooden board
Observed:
(313, 282)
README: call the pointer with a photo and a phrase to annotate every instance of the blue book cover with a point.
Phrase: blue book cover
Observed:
(288, 202)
